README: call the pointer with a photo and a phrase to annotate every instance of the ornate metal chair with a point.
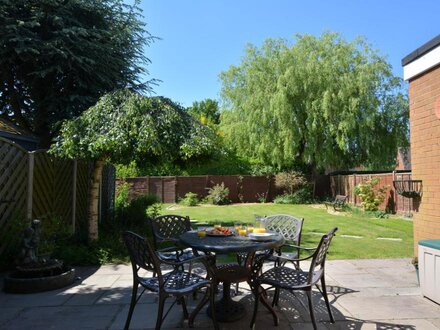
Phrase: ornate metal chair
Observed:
(290, 228)
(176, 283)
(293, 279)
(166, 231)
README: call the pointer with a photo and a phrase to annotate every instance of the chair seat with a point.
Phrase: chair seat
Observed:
(174, 256)
(176, 282)
(286, 255)
(285, 278)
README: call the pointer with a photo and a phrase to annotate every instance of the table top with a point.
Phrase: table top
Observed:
(229, 243)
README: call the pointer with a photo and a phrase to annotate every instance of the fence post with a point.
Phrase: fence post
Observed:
(30, 185)
(175, 189)
(75, 170)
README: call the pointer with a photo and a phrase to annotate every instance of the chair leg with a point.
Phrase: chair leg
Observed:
(199, 307)
(185, 310)
(160, 311)
(324, 293)
(276, 297)
(132, 304)
(256, 300)
(212, 305)
(312, 312)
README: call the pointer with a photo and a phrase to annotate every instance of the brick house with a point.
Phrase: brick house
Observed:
(421, 69)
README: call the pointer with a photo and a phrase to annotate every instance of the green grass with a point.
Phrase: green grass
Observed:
(317, 220)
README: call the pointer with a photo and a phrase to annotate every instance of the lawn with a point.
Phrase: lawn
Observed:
(374, 238)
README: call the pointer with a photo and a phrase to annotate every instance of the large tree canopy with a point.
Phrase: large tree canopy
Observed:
(58, 57)
(125, 126)
(324, 102)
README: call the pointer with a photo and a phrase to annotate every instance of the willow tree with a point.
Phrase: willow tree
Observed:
(125, 126)
(321, 101)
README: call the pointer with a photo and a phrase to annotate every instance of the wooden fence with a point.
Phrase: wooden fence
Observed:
(169, 189)
(246, 188)
(344, 185)
(35, 185)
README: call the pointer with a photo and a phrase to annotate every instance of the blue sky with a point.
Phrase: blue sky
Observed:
(201, 38)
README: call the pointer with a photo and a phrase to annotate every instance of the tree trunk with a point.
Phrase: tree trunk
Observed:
(94, 200)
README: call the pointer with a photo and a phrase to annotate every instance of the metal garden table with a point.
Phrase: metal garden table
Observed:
(227, 310)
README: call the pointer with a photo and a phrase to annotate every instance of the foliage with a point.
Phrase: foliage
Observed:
(130, 170)
(154, 210)
(121, 196)
(12, 240)
(59, 57)
(53, 232)
(190, 199)
(261, 197)
(218, 195)
(303, 195)
(135, 211)
(125, 126)
(371, 196)
(324, 102)
(290, 181)
(207, 111)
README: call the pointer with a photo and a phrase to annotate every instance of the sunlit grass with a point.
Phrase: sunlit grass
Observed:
(318, 220)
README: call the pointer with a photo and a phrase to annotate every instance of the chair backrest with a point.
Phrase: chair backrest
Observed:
(141, 253)
(169, 227)
(341, 199)
(319, 256)
(287, 226)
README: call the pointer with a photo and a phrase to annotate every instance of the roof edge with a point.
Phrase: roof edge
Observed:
(422, 50)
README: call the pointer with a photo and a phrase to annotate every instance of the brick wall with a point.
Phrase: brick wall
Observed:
(424, 92)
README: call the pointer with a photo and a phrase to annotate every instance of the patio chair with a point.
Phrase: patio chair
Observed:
(294, 279)
(290, 228)
(287, 226)
(176, 283)
(166, 231)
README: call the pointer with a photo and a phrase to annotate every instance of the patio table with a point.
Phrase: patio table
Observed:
(227, 310)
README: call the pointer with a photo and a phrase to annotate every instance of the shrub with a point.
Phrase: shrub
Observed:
(261, 198)
(154, 210)
(134, 211)
(371, 196)
(303, 195)
(190, 199)
(54, 231)
(290, 181)
(121, 196)
(218, 195)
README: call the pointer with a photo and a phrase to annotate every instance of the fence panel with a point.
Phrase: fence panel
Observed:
(13, 187)
(345, 185)
(36, 185)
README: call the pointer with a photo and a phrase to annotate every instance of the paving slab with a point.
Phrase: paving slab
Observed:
(364, 294)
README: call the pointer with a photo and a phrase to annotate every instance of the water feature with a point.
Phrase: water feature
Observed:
(36, 273)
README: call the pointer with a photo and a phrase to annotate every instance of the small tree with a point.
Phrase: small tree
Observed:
(371, 196)
(290, 181)
(124, 126)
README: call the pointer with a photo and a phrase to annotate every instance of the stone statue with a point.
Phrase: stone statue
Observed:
(31, 240)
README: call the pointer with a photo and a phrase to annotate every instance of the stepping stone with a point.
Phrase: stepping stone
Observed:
(389, 238)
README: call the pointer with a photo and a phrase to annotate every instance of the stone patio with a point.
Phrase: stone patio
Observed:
(364, 294)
